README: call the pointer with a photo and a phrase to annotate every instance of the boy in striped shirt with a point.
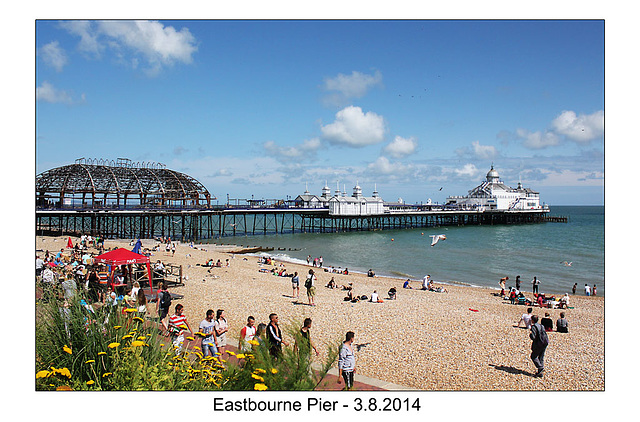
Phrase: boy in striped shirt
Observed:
(177, 325)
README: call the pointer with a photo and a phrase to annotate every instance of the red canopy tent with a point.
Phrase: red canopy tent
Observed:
(123, 256)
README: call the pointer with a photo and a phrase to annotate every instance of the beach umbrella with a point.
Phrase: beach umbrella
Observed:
(69, 243)
(137, 247)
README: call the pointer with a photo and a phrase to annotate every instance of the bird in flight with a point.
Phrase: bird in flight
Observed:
(437, 237)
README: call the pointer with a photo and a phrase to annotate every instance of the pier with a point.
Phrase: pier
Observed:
(204, 224)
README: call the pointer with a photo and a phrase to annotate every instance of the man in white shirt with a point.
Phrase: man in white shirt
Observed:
(425, 282)
(526, 318)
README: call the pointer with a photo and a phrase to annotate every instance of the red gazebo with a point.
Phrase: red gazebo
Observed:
(122, 256)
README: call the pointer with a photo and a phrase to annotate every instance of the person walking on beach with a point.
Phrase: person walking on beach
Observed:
(221, 327)
(306, 344)
(575, 286)
(536, 283)
(587, 290)
(593, 291)
(177, 325)
(320, 261)
(538, 345)
(347, 362)
(163, 302)
(274, 335)
(518, 283)
(309, 284)
(207, 328)
(295, 284)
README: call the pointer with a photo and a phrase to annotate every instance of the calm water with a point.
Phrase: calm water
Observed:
(473, 255)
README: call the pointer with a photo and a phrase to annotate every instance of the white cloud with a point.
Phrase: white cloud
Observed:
(306, 149)
(347, 87)
(483, 151)
(579, 128)
(382, 166)
(468, 171)
(401, 147)
(48, 93)
(538, 140)
(157, 44)
(53, 55)
(354, 128)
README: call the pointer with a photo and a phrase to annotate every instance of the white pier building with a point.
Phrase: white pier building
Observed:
(493, 194)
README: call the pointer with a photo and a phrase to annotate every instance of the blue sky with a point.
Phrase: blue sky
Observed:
(266, 108)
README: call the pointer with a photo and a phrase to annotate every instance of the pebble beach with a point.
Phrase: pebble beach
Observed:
(463, 340)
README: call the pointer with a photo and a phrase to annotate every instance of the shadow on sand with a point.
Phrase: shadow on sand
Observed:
(511, 370)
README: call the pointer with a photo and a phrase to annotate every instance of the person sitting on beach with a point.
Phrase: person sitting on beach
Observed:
(219, 264)
(564, 301)
(426, 282)
(392, 293)
(332, 283)
(370, 273)
(540, 300)
(526, 319)
(547, 322)
(375, 298)
(347, 287)
(406, 285)
(439, 289)
(562, 325)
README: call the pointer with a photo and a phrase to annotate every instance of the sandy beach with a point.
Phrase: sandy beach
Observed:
(423, 340)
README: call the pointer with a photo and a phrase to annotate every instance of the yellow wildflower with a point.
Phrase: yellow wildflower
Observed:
(231, 353)
(142, 338)
(274, 371)
(91, 382)
(63, 388)
(102, 353)
(66, 349)
(106, 374)
(161, 344)
(90, 361)
(260, 387)
(65, 372)
(42, 374)
(190, 338)
(183, 326)
(130, 310)
(117, 326)
(260, 371)
(127, 336)
(258, 377)
(240, 356)
(113, 345)
(138, 319)
(137, 343)
(254, 342)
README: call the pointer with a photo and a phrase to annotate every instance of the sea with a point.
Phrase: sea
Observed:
(558, 254)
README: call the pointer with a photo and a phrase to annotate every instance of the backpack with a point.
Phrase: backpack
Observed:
(542, 335)
(165, 300)
(307, 283)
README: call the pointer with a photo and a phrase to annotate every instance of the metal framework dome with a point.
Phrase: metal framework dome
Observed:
(97, 183)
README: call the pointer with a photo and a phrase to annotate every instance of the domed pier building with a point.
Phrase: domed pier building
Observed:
(493, 194)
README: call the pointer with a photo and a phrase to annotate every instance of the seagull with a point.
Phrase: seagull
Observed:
(436, 238)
